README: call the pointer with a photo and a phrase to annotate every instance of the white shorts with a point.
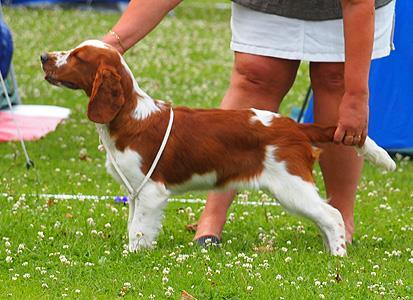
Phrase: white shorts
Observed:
(264, 34)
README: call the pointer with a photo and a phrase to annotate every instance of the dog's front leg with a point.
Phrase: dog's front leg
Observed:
(132, 202)
(147, 216)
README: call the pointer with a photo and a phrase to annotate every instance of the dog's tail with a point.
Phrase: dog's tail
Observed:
(370, 150)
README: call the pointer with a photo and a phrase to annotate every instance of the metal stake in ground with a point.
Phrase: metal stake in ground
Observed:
(29, 162)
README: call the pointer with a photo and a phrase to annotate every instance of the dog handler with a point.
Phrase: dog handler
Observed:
(269, 39)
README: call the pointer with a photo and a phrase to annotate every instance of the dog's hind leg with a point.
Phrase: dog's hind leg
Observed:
(147, 216)
(301, 197)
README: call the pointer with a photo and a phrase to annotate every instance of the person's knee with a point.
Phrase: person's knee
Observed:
(328, 77)
(253, 75)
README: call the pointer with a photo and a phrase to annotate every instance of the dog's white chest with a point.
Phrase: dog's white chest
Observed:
(129, 162)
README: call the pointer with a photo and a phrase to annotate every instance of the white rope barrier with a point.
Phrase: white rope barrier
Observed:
(112, 198)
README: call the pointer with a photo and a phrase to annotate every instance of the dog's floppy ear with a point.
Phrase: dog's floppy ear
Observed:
(106, 98)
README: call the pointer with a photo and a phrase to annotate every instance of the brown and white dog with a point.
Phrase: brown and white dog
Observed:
(207, 148)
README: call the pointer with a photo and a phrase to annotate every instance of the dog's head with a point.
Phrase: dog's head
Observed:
(96, 68)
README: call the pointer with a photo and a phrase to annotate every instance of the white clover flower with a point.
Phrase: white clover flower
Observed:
(9, 259)
(26, 275)
(399, 282)
(166, 271)
(40, 234)
(64, 260)
(278, 277)
(107, 225)
(90, 222)
(45, 286)
(250, 288)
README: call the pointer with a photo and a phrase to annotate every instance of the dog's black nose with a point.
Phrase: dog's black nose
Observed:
(44, 57)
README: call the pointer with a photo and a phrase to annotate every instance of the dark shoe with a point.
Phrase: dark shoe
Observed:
(208, 240)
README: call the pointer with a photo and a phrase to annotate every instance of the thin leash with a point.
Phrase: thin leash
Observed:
(133, 193)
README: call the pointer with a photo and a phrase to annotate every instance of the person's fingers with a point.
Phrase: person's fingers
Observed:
(339, 135)
(363, 138)
(349, 137)
(348, 140)
(356, 140)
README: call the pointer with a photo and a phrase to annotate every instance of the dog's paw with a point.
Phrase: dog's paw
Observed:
(337, 241)
(138, 241)
(334, 235)
(339, 249)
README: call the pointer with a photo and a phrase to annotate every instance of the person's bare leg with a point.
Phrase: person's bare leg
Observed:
(256, 81)
(340, 165)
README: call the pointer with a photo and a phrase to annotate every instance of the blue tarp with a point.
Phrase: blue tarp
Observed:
(6, 49)
(391, 88)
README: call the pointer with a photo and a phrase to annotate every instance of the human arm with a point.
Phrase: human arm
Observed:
(140, 18)
(358, 18)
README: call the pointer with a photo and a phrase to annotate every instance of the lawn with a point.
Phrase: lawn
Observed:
(53, 248)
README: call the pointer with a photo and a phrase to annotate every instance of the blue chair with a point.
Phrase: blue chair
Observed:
(6, 67)
(6, 49)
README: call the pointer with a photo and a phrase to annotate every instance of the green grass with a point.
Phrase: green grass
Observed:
(266, 253)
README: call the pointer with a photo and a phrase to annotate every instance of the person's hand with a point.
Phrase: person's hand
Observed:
(352, 120)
